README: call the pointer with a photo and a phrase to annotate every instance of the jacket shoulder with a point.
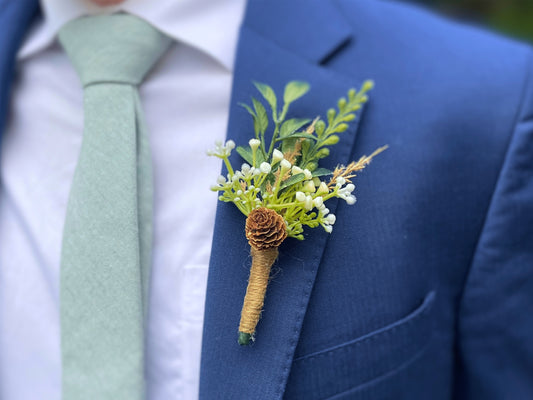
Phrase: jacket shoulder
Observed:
(409, 31)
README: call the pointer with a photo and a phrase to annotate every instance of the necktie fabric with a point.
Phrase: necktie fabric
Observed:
(107, 236)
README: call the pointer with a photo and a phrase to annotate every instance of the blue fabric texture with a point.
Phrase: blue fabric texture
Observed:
(423, 288)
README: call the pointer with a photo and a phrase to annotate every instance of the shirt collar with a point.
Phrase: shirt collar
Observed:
(211, 26)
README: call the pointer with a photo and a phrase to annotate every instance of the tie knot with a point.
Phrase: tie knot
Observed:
(112, 48)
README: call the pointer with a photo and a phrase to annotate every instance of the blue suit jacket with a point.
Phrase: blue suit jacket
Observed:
(424, 290)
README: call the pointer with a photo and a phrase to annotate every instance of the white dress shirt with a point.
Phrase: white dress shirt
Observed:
(186, 101)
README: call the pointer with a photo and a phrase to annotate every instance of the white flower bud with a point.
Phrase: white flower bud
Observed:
(350, 200)
(277, 156)
(221, 180)
(308, 174)
(328, 228)
(330, 219)
(309, 187)
(230, 144)
(300, 196)
(308, 203)
(245, 168)
(254, 144)
(318, 202)
(323, 188)
(296, 170)
(265, 167)
(350, 187)
(285, 165)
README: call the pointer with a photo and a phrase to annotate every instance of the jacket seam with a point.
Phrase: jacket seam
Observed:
(516, 120)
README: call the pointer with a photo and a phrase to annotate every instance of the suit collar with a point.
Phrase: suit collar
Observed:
(308, 28)
(272, 50)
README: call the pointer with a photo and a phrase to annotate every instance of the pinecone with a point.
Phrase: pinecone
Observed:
(265, 229)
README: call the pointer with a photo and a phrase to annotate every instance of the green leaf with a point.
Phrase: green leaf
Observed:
(248, 108)
(292, 181)
(300, 135)
(246, 153)
(269, 96)
(294, 90)
(292, 125)
(254, 116)
(321, 172)
(288, 144)
(262, 118)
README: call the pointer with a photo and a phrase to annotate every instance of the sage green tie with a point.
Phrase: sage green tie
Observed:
(107, 235)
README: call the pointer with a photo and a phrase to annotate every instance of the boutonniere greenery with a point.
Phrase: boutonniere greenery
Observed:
(280, 187)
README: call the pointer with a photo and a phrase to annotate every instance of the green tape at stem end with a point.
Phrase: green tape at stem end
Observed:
(244, 338)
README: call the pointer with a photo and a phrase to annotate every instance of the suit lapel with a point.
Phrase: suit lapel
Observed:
(15, 17)
(271, 51)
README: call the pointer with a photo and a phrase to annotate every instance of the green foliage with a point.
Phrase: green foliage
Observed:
(269, 96)
(292, 125)
(294, 90)
(284, 176)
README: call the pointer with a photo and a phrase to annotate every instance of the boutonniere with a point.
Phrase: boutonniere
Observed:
(280, 187)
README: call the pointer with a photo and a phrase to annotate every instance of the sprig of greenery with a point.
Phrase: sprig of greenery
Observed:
(285, 176)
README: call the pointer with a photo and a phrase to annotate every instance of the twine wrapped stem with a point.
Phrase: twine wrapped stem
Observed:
(265, 231)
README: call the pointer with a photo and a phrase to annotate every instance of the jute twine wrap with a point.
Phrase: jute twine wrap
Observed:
(265, 231)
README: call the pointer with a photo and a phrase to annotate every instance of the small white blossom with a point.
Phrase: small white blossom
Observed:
(277, 156)
(308, 174)
(309, 187)
(300, 196)
(254, 144)
(222, 150)
(296, 170)
(308, 203)
(239, 192)
(350, 200)
(221, 180)
(330, 219)
(265, 167)
(318, 202)
(345, 193)
(328, 228)
(285, 165)
(340, 181)
(245, 169)
(322, 188)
